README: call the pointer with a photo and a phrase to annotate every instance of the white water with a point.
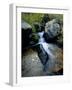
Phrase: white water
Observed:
(45, 45)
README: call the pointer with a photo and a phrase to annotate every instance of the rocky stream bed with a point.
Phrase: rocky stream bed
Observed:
(42, 51)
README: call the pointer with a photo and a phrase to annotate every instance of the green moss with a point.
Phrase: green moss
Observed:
(31, 18)
(35, 38)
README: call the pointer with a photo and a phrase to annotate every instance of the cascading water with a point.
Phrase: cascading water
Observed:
(45, 50)
(43, 43)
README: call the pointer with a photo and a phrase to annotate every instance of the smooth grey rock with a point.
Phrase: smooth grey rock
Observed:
(52, 28)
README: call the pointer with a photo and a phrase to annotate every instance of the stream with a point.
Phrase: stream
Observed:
(44, 44)
(48, 61)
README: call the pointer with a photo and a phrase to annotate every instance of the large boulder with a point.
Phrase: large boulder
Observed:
(31, 65)
(26, 33)
(54, 32)
(52, 28)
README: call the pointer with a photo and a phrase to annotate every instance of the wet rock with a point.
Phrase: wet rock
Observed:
(58, 40)
(48, 39)
(42, 54)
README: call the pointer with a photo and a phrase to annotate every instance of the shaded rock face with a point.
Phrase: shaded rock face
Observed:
(60, 41)
(26, 32)
(42, 54)
(48, 39)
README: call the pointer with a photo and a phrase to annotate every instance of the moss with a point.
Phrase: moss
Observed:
(31, 18)
(35, 38)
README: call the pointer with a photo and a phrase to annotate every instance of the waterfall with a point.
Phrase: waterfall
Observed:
(45, 45)
(41, 40)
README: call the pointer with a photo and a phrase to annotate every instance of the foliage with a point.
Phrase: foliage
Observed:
(31, 18)
(35, 37)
